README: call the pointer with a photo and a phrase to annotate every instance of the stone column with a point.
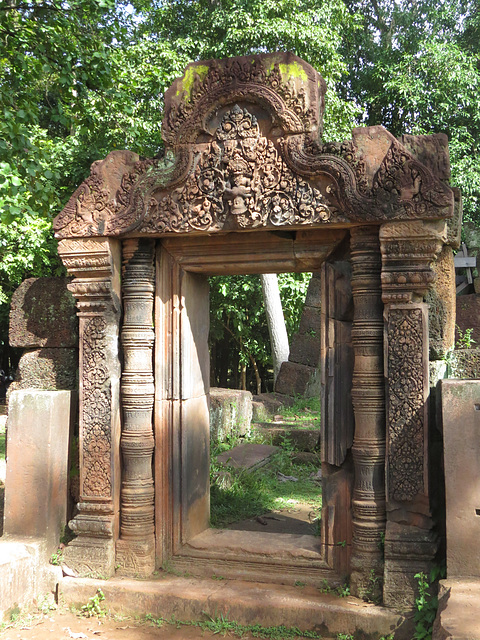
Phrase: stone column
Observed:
(368, 396)
(409, 250)
(136, 547)
(95, 263)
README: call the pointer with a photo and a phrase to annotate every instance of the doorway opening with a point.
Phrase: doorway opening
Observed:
(265, 463)
(183, 497)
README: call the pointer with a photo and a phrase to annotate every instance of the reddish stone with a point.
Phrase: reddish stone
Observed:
(42, 314)
(305, 349)
(468, 316)
(293, 378)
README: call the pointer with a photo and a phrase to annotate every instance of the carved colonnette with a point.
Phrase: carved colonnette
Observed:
(368, 503)
(136, 546)
(409, 251)
(95, 263)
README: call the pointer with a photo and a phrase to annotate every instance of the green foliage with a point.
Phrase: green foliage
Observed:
(465, 339)
(238, 330)
(93, 607)
(426, 609)
(415, 69)
(222, 625)
(342, 591)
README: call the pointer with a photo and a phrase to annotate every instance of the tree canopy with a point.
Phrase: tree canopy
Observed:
(79, 78)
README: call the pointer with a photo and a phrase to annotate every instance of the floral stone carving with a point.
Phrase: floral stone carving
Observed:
(240, 176)
(243, 152)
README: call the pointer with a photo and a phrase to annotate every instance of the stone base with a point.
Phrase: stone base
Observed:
(24, 574)
(91, 557)
(135, 559)
(408, 550)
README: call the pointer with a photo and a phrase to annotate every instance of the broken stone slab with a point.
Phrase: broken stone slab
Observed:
(266, 405)
(24, 574)
(297, 380)
(305, 350)
(49, 368)
(248, 456)
(37, 465)
(42, 314)
(230, 413)
(301, 439)
(464, 364)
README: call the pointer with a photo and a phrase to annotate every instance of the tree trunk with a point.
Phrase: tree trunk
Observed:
(275, 321)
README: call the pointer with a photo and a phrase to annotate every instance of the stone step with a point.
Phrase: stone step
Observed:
(245, 602)
(302, 439)
(247, 456)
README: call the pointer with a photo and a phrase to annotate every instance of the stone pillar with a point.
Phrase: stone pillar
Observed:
(368, 396)
(409, 250)
(95, 263)
(136, 547)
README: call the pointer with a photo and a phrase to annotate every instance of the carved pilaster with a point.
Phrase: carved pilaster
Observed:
(136, 548)
(368, 395)
(409, 250)
(95, 265)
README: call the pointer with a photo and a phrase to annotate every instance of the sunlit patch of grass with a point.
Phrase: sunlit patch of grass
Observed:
(237, 494)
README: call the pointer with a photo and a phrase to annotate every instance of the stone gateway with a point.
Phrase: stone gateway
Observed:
(246, 185)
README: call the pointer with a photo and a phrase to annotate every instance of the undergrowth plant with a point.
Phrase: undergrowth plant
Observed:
(426, 603)
(222, 625)
(93, 606)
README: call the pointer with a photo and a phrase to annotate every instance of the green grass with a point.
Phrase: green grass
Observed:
(2, 442)
(222, 625)
(237, 494)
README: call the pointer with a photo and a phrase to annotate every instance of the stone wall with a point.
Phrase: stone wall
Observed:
(43, 322)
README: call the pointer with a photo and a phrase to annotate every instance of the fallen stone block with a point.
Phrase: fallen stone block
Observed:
(230, 413)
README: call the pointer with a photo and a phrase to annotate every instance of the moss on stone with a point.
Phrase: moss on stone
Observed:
(188, 79)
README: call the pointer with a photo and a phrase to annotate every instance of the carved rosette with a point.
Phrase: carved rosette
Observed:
(368, 391)
(93, 262)
(135, 549)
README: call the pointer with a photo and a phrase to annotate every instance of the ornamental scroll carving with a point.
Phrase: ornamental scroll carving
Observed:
(243, 151)
(96, 410)
(406, 412)
(295, 91)
(242, 176)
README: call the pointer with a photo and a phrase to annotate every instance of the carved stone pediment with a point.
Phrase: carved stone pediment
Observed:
(243, 152)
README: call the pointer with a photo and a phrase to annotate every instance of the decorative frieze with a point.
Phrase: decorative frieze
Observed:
(95, 265)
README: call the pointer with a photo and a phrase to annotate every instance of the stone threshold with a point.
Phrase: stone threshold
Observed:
(282, 558)
(187, 598)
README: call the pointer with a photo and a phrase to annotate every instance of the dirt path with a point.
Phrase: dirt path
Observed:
(62, 624)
